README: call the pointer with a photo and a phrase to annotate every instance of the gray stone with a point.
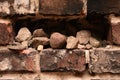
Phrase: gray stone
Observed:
(23, 34)
(39, 33)
(72, 42)
(83, 36)
(94, 42)
(35, 42)
(57, 40)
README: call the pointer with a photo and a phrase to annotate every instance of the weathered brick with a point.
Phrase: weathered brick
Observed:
(18, 61)
(114, 32)
(105, 61)
(62, 7)
(18, 6)
(62, 60)
(6, 32)
(104, 6)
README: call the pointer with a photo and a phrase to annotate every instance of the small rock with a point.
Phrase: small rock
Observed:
(40, 47)
(81, 46)
(94, 42)
(83, 36)
(25, 43)
(57, 40)
(88, 46)
(23, 34)
(72, 42)
(39, 33)
(16, 47)
(35, 42)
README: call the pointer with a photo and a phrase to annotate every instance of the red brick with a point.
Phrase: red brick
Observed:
(61, 7)
(62, 60)
(15, 61)
(105, 7)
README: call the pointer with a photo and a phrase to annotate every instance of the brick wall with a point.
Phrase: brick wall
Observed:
(25, 63)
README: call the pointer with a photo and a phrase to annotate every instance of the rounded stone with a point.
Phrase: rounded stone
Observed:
(94, 42)
(35, 42)
(57, 40)
(83, 36)
(23, 34)
(39, 33)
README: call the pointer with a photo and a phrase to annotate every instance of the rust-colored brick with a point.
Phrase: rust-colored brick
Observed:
(18, 60)
(62, 60)
(61, 7)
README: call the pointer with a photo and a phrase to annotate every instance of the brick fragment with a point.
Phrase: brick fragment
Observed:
(114, 32)
(105, 60)
(62, 60)
(6, 32)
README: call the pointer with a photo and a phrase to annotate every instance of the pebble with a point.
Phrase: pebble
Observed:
(23, 34)
(57, 40)
(83, 36)
(72, 42)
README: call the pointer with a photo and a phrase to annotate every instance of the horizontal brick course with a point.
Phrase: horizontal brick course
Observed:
(62, 60)
(105, 61)
(18, 61)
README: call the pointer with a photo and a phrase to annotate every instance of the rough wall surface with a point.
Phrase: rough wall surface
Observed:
(19, 62)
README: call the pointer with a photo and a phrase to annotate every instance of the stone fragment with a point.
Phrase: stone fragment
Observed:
(6, 32)
(39, 41)
(40, 47)
(94, 42)
(18, 46)
(39, 33)
(12, 61)
(57, 40)
(88, 46)
(104, 60)
(81, 46)
(23, 34)
(83, 36)
(72, 42)
(62, 60)
(25, 44)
